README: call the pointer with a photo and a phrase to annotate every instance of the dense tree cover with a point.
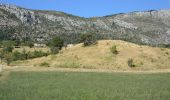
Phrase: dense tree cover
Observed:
(6, 33)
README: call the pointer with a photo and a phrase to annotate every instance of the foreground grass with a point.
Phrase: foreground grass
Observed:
(84, 86)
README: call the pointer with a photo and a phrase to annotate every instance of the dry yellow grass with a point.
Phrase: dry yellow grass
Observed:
(100, 57)
(31, 49)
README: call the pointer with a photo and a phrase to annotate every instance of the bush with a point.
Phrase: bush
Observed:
(45, 64)
(56, 42)
(8, 58)
(56, 45)
(17, 56)
(27, 55)
(88, 39)
(30, 44)
(8, 49)
(131, 63)
(54, 50)
(8, 43)
(113, 49)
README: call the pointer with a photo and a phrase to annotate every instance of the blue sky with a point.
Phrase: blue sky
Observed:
(91, 8)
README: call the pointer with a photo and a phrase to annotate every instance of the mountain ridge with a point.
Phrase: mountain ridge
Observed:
(147, 27)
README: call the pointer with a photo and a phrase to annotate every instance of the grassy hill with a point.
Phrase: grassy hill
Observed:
(100, 57)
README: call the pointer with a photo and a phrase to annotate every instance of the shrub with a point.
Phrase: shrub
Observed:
(54, 50)
(30, 44)
(45, 64)
(131, 63)
(56, 45)
(88, 39)
(8, 43)
(56, 42)
(8, 58)
(113, 49)
(17, 56)
(36, 54)
(8, 49)
(27, 55)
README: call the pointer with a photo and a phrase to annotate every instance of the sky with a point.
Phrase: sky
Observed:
(92, 8)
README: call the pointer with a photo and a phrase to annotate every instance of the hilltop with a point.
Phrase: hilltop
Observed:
(147, 27)
(100, 57)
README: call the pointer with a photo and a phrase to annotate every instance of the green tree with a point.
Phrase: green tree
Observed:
(17, 56)
(56, 44)
(88, 39)
(8, 46)
(8, 58)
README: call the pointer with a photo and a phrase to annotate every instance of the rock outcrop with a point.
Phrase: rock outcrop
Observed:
(148, 27)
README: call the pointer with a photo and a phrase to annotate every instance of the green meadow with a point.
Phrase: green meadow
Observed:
(84, 86)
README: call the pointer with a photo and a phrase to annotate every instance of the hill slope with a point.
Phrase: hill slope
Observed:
(148, 27)
(100, 57)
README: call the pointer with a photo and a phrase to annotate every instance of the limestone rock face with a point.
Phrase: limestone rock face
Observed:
(148, 27)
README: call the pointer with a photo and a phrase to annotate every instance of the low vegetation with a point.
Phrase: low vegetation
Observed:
(88, 39)
(27, 55)
(130, 62)
(84, 86)
(45, 64)
(9, 54)
(113, 49)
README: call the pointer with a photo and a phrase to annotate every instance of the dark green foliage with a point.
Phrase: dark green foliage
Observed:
(88, 39)
(17, 56)
(6, 52)
(7, 43)
(1, 44)
(27, 55)
(8, 58)
(27, 43)
(56, 45)
(6, 33)
(113, 49)
(56, 42)
(54, 50)
(45, 64)
(36, 54)
(8, 49)
(164, 45)
(131, 62)
(1, 55)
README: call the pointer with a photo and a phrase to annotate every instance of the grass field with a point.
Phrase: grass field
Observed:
(84, 86)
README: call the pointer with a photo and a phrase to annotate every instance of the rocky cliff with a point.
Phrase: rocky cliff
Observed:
(148, 27)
